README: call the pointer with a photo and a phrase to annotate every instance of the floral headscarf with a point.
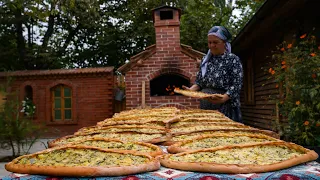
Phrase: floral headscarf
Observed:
(222, 33)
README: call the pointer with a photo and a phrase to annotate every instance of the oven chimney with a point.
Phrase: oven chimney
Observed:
(166, 22)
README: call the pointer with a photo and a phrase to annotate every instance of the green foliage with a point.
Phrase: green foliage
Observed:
(52, 34)
(200, 15)
(17, 132)
(297, 74)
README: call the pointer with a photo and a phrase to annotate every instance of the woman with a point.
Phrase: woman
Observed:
(220, 73)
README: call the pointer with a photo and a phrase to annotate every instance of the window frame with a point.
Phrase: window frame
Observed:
(62, 106)
(249, 91)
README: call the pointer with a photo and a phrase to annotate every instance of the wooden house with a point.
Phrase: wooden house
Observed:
(276, 21)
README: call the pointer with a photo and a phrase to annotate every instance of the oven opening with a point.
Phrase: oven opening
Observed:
(165, 84)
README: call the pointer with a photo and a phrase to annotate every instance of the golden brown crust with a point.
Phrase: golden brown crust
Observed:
(119, 128)
(177, 147)
(197, 94)
(199, 127)
(213, 123)
(156, 149)
(146, 110)
(77, 171)
(57, 142)
(190, 111)
(266, 132)
(177, 121)
(239, 168)
(170, 136)
(145, 115)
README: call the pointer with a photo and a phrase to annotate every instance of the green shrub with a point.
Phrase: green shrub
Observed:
(17, 131)
(297, 74)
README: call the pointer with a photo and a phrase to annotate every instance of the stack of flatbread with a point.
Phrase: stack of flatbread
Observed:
(204, 140)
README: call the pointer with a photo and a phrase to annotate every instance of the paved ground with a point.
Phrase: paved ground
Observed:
(41, 144)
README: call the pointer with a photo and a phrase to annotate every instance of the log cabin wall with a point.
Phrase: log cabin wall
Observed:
(275, 22)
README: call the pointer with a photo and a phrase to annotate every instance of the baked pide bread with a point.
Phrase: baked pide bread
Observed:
(123, 136)
(249, 158)
(177, 137)
(145, 114)
(83, 161)
(121, 128)
(192, 111)
(197, 94)
(106, 143)
(158, 124)
(201, 123)
(202, 115)
(199, 127)
(216, 140)
(155, 121)
(150, 110)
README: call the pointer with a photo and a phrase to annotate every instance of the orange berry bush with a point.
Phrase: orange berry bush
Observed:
(296, 73)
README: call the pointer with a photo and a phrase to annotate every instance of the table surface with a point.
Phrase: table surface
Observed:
(306, 171)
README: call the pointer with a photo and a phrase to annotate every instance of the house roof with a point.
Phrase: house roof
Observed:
(150, 50)
(57, 72)
(264, 21)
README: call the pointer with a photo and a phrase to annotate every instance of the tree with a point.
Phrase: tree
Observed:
(201, 15)
(43, 30)
(49, 34)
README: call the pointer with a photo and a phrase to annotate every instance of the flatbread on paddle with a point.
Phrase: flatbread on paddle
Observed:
(83, 161)
(197, 94)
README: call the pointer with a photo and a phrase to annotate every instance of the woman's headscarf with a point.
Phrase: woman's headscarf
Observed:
(222, 33)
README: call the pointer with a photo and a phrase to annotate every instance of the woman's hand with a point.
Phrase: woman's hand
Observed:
(224, 98)
(192, 88)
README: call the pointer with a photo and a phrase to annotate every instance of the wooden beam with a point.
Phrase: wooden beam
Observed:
(143, 95)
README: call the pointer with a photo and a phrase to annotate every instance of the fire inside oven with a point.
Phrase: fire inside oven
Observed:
(165, 84)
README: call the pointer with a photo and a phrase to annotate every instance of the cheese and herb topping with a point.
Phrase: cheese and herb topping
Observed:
(205, 127)
(256, 155)
(190, 111)
(133, 128)
(116, 145)
(139, 111)
(201, 133)
(156, 122)
(204, 115)
(82, 157)
(150, 114)
(128, 137)
(193, 123)
(214, 141)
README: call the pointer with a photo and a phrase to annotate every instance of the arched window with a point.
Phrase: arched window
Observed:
(61, 103)
(28, 92)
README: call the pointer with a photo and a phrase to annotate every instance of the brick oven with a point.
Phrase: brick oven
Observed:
(151, 75)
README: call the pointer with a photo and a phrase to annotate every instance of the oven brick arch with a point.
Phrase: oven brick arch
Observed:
(167, 56)
(184, 74)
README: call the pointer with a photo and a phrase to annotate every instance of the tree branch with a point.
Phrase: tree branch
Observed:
(72, 33)
(49, 31)
(20, 39)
